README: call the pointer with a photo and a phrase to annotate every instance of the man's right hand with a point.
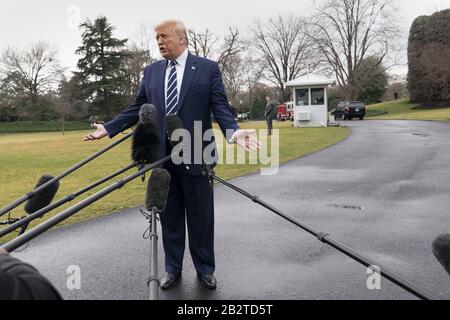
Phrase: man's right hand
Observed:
(97, 135)
(3, 251)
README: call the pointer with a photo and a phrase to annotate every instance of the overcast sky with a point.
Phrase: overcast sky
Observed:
(23, 22)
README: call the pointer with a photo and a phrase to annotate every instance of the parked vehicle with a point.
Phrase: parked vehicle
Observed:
(285, 111)
(347, 110)
(243, 116)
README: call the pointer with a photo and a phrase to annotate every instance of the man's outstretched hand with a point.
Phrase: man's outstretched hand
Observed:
(97, 135)
(3, 251)
(247, 140)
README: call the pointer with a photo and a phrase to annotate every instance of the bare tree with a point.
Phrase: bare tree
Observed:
(139, 55)
(134, 65)
(37, 69)
(206, 44)
(234, 77)
(231, 47)
(144, 39)
(253, 72)
(346, 32)
(202, 43)
(285, 49)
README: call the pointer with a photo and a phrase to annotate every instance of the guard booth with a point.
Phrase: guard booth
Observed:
(310, 100)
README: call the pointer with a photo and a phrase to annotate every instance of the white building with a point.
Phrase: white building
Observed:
(310, 100)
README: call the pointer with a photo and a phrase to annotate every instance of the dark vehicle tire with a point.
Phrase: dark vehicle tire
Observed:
(361, 118)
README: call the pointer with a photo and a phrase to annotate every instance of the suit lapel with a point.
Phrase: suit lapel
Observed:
(161, 79)
(189, 73)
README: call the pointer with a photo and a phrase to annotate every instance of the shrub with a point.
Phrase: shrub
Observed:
(428, 59)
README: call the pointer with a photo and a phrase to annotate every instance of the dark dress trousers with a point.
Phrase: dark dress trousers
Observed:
(191, 195)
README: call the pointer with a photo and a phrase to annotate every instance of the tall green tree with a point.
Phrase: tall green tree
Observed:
(101, 68)
(372, 78)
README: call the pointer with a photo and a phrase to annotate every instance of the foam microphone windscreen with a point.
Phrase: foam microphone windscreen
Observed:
(173, 123)
(146, 140)
(44, 197)
(158, 189)
(441, 250)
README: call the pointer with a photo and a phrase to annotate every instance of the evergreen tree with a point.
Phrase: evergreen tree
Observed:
(101, 75)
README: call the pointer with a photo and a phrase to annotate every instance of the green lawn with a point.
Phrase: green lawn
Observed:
(403, 110)
(24, 157)
(42, 126)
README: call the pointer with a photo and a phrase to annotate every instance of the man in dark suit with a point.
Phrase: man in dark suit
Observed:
(20, 281)
(269, 114)
(191, 87)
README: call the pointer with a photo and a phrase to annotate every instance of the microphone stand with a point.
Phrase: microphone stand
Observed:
(23, 222)
(325, 238)
(153, 282)
(11, 221)
(31, 194)
(53, 221)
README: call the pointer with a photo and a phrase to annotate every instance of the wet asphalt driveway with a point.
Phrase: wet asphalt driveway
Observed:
(384, 191)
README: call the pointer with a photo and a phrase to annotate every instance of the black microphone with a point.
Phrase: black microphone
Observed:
(441, 250)
(44, 197)
(146, 141)
(158, 190)
(173, 123)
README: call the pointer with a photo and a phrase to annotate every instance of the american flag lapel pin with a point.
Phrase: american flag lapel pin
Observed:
(194, 68)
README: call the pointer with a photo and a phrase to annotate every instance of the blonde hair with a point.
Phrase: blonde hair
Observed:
(178, 28)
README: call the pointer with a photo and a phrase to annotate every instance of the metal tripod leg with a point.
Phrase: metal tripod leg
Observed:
(153, 281)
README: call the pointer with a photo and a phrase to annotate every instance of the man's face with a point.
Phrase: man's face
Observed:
(170, 45)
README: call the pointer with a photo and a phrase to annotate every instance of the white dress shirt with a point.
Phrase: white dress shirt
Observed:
(180, 67)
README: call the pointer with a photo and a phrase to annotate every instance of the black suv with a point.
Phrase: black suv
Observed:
(348, 110)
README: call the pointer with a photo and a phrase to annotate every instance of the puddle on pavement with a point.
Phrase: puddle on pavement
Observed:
(345, 206)
(423, 135)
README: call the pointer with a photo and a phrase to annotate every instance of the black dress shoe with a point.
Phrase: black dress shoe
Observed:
(207, 280)
(169, 280)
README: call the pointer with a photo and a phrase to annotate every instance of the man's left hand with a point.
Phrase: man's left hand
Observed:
(247, 140)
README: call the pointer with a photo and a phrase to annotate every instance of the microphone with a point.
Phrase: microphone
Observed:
(441, 250)
(44, 197)
(146, 138)
(146, 141)
(158, 190)
(173, 123)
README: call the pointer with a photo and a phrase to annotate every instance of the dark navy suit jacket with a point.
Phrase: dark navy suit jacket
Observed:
(202, 92)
